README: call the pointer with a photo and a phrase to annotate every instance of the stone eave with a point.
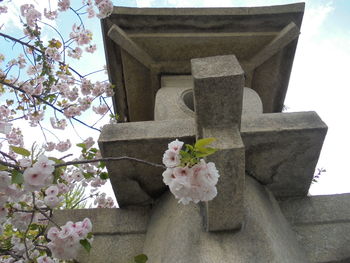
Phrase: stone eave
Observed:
(152, 29)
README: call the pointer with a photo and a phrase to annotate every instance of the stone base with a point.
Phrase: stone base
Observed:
(172, 232)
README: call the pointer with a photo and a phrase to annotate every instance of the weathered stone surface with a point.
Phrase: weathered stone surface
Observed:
(173, 36)
(218, 92)
(218, 98)
(322, 226)
(169, 103)
(137, 183)
(175, 234)
(113, 248)
(175, 99)
(282, 150)
(225, 212)
(109, 221)
(119, 235)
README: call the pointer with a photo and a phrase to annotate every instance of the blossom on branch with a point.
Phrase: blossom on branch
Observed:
(190, 178)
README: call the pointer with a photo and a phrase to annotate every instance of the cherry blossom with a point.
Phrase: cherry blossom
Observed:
(5, 127)
(63, 146)
(171, 158)
(192, 182)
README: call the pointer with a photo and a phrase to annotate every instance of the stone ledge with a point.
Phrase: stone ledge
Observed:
(317, 209)
(322, 226)
(108, 220)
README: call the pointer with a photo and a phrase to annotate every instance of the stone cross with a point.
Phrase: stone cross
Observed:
(218, 98)
(280, 149)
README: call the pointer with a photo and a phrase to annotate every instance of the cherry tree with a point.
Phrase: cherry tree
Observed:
(41, 88)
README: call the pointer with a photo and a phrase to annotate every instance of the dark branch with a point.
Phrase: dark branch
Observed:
(46, 102)
(109, 159)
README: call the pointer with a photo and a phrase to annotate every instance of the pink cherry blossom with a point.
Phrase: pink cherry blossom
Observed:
(15, 137)
(51, 201)
(45, 259)
(52, 190)
(35, 178)
(5, 180)
(72, 111)
(58, 124)
(25, 162)
(52, 15)
(49, 146)
(63, 146)
(5, 127)
(171, 159)
(3, 9)
(90, 49)
(31, 15)
(89, 142)
(175, 146)
(86, 87)
(102, 109)
(53, 53)
(105, 8)
(75, 53)
(63, 5)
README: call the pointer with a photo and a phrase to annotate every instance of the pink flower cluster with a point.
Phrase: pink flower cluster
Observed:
(31, 14)
(51, 199)
(102, 202)
(64, 242)
(190, 183)
(39, 175)
(105, 7)
(5, 127)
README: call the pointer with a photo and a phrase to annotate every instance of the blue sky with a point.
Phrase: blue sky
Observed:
(319, 80)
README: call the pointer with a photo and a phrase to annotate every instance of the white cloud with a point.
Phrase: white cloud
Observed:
(144, 3)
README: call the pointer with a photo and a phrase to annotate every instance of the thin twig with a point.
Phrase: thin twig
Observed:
(26, 233)
(48, 218)
(8, 156)
(68, 155)
(108, 159)
(82, 200)
(38, 50)
(10, 165)
(47, 103)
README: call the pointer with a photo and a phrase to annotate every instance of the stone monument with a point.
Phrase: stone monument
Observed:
(190, 73)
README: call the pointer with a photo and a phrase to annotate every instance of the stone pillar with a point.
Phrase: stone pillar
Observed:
(218, 96)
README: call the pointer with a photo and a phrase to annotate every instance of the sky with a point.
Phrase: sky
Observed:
(319, 79)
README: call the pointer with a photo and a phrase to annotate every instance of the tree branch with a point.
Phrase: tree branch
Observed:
(38, 50)
(108, 159)
(47, 103)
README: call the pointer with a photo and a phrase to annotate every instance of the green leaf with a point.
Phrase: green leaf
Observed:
(56, 160)
(205, 152)
(102, 165)
(142, 258)
(203, 142)
(33, 227)
(86, 244)
(88, 175)
(17, 177)
(104, 176)
(20, 150)
(184, 154)
(3, 167)
(189, 146)
(81, 145)
(57, 174)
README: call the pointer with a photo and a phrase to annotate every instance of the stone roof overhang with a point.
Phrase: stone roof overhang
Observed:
(141, 44)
